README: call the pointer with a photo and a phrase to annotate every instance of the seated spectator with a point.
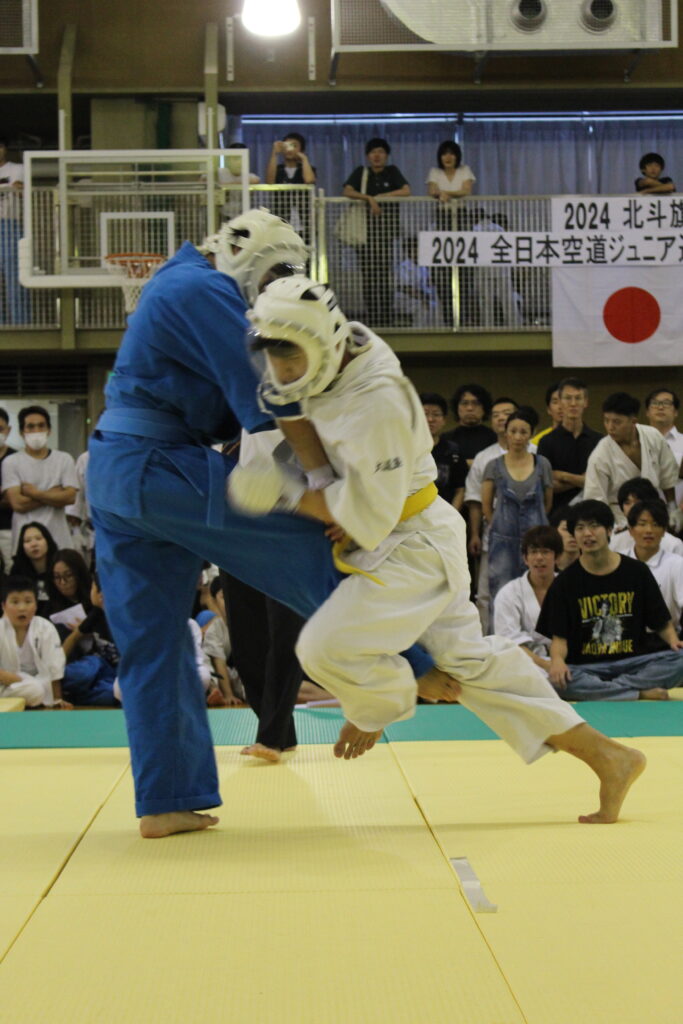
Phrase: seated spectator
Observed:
(629, 450)
(451, 179)
(516, 494)
(570, 549)
(661, 409)
(416, 301)
(35, 552)
(597, 613)
(69, 582)
(496, 302)
(218, 649)
(569, 445)
(628, 495)
(553, 406)
(31, 656)
(518, 603)
(5, 507)
(92, 657)
(471, 406)
(450, 466)
(201, 658)
(651, 180)
(647, 523)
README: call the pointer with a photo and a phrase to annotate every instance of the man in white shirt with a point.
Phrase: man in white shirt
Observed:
(661, 409)
(17, 299)
(39, 482)
(647, 522)
(629, 450)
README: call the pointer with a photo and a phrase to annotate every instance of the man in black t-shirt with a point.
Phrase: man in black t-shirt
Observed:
(597, 612)
(568, 446)
(451, 468)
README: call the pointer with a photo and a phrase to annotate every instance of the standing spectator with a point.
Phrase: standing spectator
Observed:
(31, 657)
(554, 409)
(471, 406)
(661, 409)
(628, 495)
(5, 507)
(650, 180)
(647, 523)
(450, 465)
(570, 549)
(569, 445)
(295, 169)
(629, 450)
(496, 303)
(597, 612)
(78, 514)
(451, 179)
(36, 549)
(383, 227)
(17, 299)
(521, 484)
(39, 482)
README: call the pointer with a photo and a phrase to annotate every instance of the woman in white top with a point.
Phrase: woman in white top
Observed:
(451, 179)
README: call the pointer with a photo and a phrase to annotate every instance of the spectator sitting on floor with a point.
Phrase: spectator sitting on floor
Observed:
(31, 656)
(647, 522)
(629, 494)
(597, 613)
(92, 657)
(451, 469)
(69, 583)
(518, 604)
(553, 406)
(570, 549)
(471, 406)
(218, 649)
(36, 549)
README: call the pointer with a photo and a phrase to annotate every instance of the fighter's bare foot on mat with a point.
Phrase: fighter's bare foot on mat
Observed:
(437, 685)
(269, 754)
(655, 693)
(616, 778)
(156, 826)
(353, 742)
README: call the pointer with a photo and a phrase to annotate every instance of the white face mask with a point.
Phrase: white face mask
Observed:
(37, 440)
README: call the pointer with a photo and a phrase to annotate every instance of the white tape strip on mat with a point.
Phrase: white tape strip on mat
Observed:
(471, 886)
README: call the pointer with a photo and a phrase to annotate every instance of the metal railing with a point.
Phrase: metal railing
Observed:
(374, 271)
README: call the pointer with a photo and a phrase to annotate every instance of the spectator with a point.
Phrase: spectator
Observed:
(518, 603)
(568, 446)
(628, 495)
(35, 552)
(416, 302)
(295, 169)
(554, 409)
(39, 482)
(5, 507)
(383, 181)
(450, 179)
(647, 523)
(31, 656)
(231, 176)
(597, 612)
(218, 649)
(92, 657)
(450, 465)
(17, 308)
(661, 409)
(516, 494)
(650, 180)
(570, 549)
(629, 450)
(78, 514)
(496, 303)
(471, 406)
(69, 582)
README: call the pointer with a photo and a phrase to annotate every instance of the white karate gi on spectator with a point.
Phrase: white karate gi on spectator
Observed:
(39, 661)
(515, 614)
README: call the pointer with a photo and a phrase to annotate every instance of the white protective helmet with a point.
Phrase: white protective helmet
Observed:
(265, 242)
(297, 309)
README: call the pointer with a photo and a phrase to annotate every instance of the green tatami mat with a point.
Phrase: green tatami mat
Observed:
(237, 726)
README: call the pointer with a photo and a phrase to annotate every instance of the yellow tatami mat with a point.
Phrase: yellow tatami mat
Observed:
(12, 703)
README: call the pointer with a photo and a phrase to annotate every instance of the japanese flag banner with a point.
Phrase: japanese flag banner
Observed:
(617, 316)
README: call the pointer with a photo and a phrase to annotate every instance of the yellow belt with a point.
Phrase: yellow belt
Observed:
(415, 504)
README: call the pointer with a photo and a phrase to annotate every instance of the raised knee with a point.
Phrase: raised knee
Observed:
(313, 648)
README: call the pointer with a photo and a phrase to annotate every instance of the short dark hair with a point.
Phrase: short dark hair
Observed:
(557, 515)
(377, 144)
(523, 415)
(481, 394)
(215, 585)
(543, 537)
(279, 346)
(33, 410)
(4, 415)
(657, 510)
(638, 486)
(449, 147)
(432, 398)
(622, 404)
(650, 398)
(549, 392)
(529, 414)
(572, 382)
(298, 137)
(651, 158)
(18, 584)
(589, 511)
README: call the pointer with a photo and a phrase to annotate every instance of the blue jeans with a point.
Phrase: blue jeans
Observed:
(89, 681)
(624, 678)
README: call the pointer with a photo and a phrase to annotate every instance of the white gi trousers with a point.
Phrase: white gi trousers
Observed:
(351, 644)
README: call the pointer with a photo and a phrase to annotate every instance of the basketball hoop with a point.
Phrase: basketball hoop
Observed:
(133, 269)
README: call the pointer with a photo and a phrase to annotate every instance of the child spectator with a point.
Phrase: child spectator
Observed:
(31, 656)
(651, 180)
(90, 675)
(35, 551)
(218, 648)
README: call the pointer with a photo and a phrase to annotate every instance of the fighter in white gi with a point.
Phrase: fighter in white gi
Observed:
(409, 580)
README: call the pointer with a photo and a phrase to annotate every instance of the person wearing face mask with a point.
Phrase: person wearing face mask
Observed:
(39, 482)
(5, 507)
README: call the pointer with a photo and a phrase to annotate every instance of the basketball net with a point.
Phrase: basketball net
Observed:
(133, 270)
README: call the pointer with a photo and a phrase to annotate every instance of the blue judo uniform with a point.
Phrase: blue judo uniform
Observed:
(183, 379)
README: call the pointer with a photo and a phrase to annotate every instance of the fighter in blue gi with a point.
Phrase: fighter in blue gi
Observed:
(183, 380)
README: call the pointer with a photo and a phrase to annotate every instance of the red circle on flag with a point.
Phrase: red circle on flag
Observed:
(631, 315)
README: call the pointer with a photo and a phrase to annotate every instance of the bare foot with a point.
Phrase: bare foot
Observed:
(620, 771)
(353, 742)
(156, 826)
(215, 699)
(656, 693)
(259, 750)
(436, 685)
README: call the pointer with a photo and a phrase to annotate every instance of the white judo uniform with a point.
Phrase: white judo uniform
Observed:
(373, 429)
(515, 614)
(42, 651)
